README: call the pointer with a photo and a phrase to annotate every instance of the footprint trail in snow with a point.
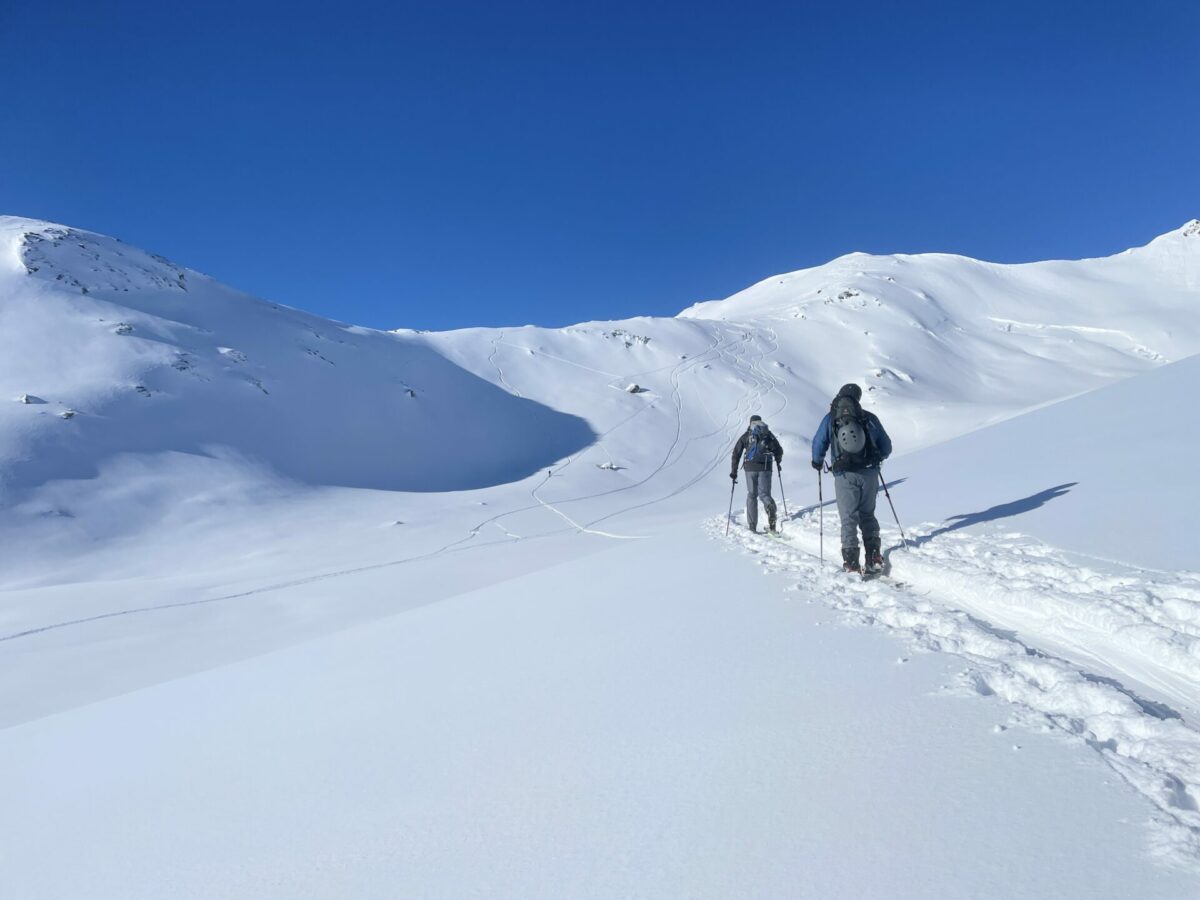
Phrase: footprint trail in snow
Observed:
(1106, 654)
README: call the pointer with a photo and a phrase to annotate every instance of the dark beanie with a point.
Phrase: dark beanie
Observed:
(756, 418)
(851, 390)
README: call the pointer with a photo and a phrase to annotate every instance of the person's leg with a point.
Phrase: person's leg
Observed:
(846, 491)
(764, 494)
(867, 520)
(751, 499)
(869, 491)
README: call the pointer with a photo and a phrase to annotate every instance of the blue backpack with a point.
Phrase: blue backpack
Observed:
(758, 445)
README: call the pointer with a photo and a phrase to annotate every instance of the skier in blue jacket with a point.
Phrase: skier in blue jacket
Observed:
(857, 444)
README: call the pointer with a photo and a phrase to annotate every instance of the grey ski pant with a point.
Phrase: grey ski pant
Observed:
(758, 487)
(856, 492)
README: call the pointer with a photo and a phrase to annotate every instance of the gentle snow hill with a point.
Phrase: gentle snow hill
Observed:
(945, 343)
(1072, 525)
(107, 350)
(1107, 474)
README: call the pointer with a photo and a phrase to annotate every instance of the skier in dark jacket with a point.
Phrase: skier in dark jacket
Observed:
(858, 444)
(761, 449)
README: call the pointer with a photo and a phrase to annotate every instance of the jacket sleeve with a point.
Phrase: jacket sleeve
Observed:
(882, 442)
(821, 441)
(777, 449)
(738, 449)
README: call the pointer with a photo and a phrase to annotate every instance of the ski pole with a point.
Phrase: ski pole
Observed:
(782, 492)
(888, 494)
(821, 511)
(729, 518)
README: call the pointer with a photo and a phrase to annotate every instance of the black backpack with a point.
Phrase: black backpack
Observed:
(848, 424)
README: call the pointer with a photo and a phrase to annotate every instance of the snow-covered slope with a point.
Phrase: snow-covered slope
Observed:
(943, 344)
(1016, 532)
(524, 529)
(948, 333)
(107, 350)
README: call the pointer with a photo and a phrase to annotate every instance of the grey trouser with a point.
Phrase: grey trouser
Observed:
(856, 493)
(758, 487)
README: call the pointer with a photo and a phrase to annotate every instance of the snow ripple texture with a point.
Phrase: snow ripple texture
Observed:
(1063, 643)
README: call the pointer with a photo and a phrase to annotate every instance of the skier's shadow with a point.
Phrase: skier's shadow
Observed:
(991, 514)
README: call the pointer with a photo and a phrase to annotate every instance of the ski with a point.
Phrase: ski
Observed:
(887, 579)
(777, 535)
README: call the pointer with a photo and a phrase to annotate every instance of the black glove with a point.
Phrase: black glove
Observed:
(817, 464)
(733, 475)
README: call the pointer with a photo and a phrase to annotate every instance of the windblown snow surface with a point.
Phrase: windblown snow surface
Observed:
(294, 608)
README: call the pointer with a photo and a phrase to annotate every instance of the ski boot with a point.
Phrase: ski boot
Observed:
(850, 560)
(874, 562)
(771, 521)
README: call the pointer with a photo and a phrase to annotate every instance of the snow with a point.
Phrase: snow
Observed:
(295, 608)
(606, 726)
(1047, 619)
(116, 335)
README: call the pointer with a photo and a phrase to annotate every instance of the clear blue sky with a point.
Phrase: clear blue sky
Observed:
(448, 164)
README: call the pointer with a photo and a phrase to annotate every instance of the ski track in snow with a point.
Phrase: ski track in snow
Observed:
(988, 599)
(499, 371)
(730, 426)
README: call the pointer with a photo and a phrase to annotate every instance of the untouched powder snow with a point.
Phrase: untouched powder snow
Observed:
(294, 608)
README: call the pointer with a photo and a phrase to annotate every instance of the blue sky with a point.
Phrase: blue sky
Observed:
(454, 164)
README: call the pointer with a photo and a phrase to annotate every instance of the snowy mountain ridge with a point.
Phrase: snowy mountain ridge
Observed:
(68, 254)
(942, 344)
(140, 355)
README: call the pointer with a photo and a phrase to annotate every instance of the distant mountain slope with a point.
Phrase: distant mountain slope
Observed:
(105, 349)
(942, 344)
(937, 329)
